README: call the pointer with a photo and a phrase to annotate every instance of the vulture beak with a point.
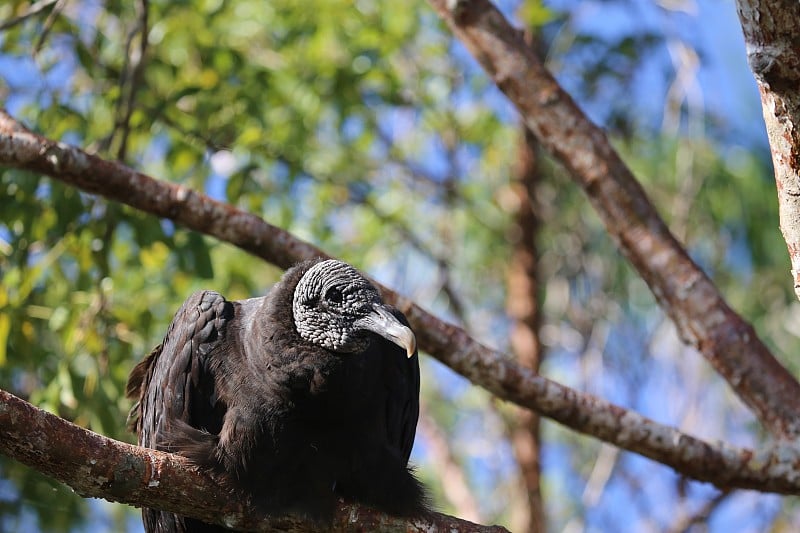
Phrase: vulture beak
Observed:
(385, 324)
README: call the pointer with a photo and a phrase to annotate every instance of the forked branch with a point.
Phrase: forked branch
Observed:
(725, 466)
(703, 318)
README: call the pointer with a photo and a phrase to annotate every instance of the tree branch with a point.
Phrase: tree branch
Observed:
(32, 11)
(685, 521)
(48, 25)
(702, 317)
(131, 77)
(99, 467)
(723, 465)
(771, 31)
(522, 304)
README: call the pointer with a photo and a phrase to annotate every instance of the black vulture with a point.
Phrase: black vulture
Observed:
(294, 399)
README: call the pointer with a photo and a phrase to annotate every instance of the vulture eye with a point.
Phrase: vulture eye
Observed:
(334, 295)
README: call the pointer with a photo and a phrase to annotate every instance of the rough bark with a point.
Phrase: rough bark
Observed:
(22, 149)
(523, 308)
(702, 317)
(99, 467)
(773, 470)
(772, 35)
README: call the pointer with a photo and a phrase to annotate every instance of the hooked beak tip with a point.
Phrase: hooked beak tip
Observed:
(385, 324)
(403, 337)
(411, 346)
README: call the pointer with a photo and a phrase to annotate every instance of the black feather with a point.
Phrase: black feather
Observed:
(287, 422)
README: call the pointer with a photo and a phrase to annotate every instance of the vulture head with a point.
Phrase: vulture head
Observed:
(336, 307)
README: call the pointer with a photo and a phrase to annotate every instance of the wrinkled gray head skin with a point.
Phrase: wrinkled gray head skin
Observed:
(336, 307)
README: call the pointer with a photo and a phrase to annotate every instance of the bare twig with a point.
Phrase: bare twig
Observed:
(685, 88)
(48, 25)
(449, 471)
(595, 485)
(99, 467)
(601, 473)
(726, 466)
(701, 315)
(32, 11)
(454, 299)
(131, 77)
(684, 522)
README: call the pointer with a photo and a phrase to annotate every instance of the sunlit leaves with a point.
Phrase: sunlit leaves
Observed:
(363, 127)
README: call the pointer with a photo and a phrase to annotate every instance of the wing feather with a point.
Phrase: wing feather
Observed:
(175, 393)
(401, 376)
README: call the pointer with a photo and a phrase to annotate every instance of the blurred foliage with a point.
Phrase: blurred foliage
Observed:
(364, 128)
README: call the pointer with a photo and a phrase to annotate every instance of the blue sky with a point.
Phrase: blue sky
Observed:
(726, 89)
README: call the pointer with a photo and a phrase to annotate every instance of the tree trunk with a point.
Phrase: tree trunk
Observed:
(771, 29)
(523, 308)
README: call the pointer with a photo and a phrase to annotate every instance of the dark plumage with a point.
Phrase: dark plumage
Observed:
(300, 397)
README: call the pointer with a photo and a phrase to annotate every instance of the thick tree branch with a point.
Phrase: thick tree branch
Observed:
(725, 466)
(701, 315)
(771, 32)
(99, 467)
